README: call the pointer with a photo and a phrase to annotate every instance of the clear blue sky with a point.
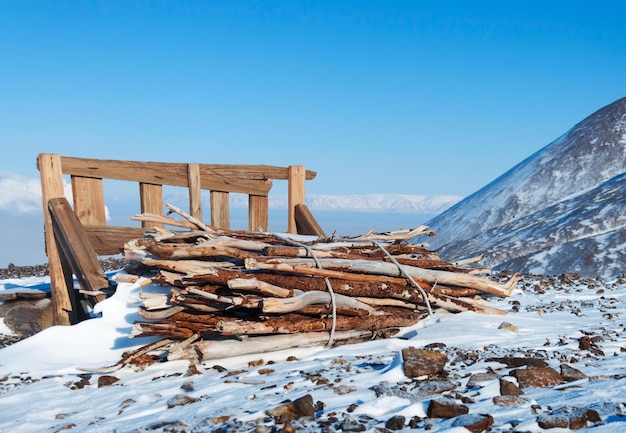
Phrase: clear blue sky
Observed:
(417, 97)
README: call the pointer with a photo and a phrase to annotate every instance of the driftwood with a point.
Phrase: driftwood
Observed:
(271, 292)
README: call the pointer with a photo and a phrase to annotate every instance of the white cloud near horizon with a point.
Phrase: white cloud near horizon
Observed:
(19, 194)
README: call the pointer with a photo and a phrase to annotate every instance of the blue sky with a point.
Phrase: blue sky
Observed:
(412, 97)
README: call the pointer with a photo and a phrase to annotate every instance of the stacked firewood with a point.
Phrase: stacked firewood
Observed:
(235, 292)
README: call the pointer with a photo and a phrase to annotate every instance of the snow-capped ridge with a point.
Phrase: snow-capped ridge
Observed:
(574, 185)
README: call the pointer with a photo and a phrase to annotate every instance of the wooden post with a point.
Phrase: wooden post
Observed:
(296, 179)
(220, 209)
(151, 201)
(258, 212)
(195, 191)
(74, 245)
(50, 170)
(88, 196)
(306, 222)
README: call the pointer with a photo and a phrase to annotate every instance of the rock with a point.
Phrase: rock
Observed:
(584, 342)
(509, 400)
(445, 408)
(537, 377)
(106, 380)
(475, 423)
(180, 400)
(571, 374)
(29, 317)
(509, 388)
(344, 389)
(432, 387)
(395, 422)
(507, 327)
(352, 425)
(514, 361)
(573, 419)
(476, 378)
(420, 362)
(299, 408)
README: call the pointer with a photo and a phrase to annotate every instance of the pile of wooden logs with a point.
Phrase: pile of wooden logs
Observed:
(235, 292)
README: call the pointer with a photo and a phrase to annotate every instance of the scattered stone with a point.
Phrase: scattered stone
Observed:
(302, 407)
(508, 327)
(180, 400)
(515, 362)
(432, 387)
(395, 422)
(421, 362)
(445, 408)
(509, 388)
(475, 423)
(537, 377)
(477, 378)
(509, 400)
(106, 380)
(344, 389)
(584, 342)
(351, 424)
(573, 419)
(188, 386)
(571, 374)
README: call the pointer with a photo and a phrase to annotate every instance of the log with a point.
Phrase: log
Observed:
(287, 326)
(389, 269)
(222, 348)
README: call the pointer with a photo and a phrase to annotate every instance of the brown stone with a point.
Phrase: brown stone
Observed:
(509, 388)
(444, 408)
(420, 362)
(180, 400)
(301, 407)
(573, 419)
(395, 422)
(475, 423)
(106, 380)
(537, 377)
(584, 342)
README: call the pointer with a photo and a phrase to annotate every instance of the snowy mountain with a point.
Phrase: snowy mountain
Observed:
(561, 210)
(404, 203)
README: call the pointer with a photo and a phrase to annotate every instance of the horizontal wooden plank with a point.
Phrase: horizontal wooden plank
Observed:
(110, 240)
(172, 173)
(168, 173)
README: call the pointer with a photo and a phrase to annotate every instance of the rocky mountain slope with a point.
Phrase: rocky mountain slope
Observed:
(560, 210)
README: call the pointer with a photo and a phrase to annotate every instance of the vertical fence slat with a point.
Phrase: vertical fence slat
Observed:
(51, 173)
(258, 212)
(88, 196)
(195, 191)
(151, 201)
(296, 179)
(220, 209)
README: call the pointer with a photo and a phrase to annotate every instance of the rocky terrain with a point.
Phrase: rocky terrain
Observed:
(554, 361)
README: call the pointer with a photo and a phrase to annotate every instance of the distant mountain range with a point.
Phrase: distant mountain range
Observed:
(561, 210)
(401, 203)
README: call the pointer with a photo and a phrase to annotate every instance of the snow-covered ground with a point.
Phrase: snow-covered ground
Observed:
(361, 387)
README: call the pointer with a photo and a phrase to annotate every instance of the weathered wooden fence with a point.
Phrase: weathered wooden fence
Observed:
(85, 231)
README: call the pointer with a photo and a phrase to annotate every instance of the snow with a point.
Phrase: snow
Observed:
(363, 382)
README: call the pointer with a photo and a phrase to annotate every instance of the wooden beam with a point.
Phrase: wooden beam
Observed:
(88, 196)
(75, 246)
(195, 191)
(258, 213)
(51, 174)
(296, 181)
(110, 240)
(220, 209)
(306, 223)
(151, 202)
